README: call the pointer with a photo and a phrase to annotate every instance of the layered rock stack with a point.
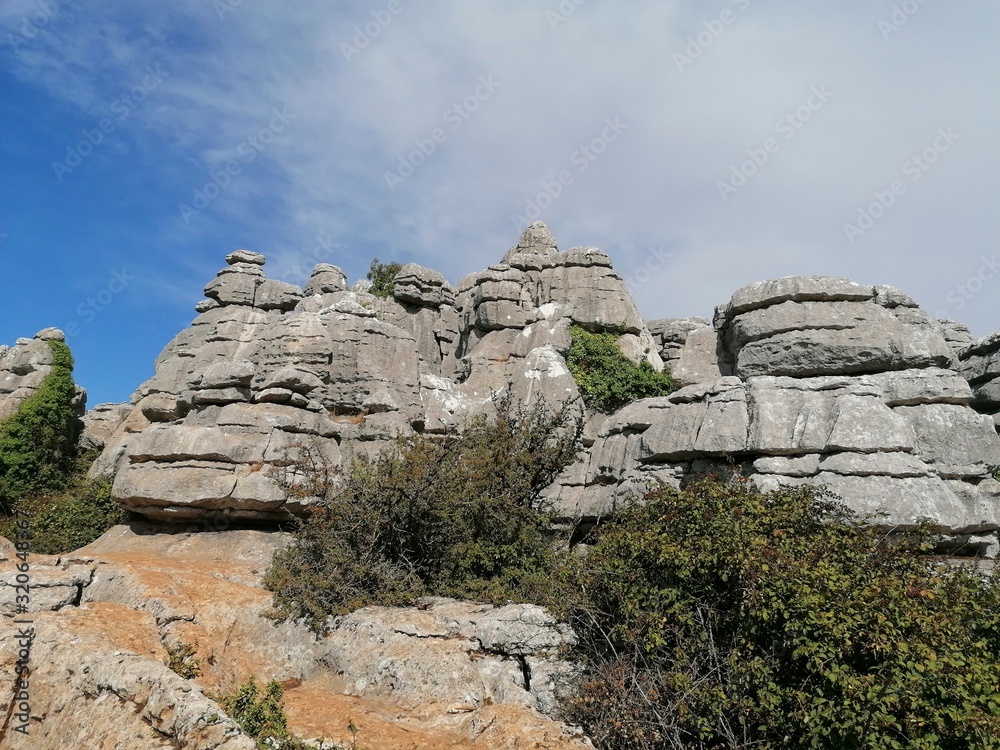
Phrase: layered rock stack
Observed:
(822, 381)
(24, 366)
(801, 380)
(979, 363)
(269, 375)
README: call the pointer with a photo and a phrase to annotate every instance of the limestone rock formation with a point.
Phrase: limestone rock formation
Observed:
(444, 674)
(821, 381)
(979, 363)
(24, 366)
(806, 379)
(268, 374)
(101, 423)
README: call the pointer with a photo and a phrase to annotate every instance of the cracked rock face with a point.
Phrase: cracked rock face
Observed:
(818, 381)
(24, 366)
(106, 618)
(979, 363)
(804, 379)
(268, 373)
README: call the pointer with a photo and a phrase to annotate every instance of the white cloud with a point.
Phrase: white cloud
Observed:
(654, 186)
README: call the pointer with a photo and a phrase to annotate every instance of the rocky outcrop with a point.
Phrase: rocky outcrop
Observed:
(24, 366)
(106, 619)
(823, 381)
(979, 363)
(267, 375)
(815, 380)
(101, 423)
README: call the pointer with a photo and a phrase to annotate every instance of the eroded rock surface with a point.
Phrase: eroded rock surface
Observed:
(24, 366)
(804, 379)
(979, 363)
(820, 381)
(268, 375)
(446, 674)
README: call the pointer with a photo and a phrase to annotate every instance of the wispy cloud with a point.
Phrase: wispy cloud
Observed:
(657, 187)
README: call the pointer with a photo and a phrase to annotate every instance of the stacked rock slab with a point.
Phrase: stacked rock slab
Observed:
(24, 366)
(979, 362)
(689, 348)
(269, 376)
(831, 383)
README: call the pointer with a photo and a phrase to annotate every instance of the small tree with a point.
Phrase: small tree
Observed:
(382, 276)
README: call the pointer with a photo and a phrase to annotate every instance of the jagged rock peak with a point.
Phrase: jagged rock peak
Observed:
(536, 239)
(326, 279)
(50, 334)
(245, 256)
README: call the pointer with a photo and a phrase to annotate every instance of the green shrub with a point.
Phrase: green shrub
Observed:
(38, 442)
(382, 276)
(262, 715)
(74, 517)
(721, 617)
(607, 379)
(453, 516)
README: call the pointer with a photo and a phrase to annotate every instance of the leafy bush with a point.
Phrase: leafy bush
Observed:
(74, 517)
(454, 516)
(262, 715)
(382, 276)
(607, 379)
(722, 617)
(38, 442)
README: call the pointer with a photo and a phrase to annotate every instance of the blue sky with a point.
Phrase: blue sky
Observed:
(703, 145)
